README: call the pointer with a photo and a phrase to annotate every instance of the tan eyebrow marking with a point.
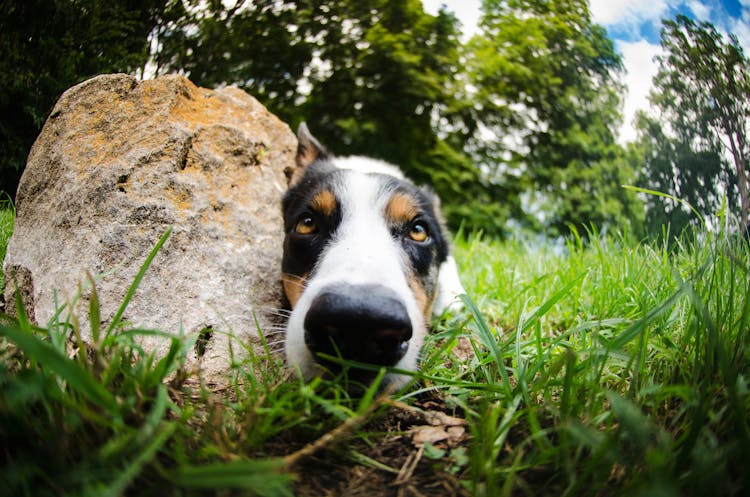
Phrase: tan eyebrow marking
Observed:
(324, 202)
(401, 209)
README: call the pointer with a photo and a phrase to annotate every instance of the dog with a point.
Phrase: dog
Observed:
(365, 264)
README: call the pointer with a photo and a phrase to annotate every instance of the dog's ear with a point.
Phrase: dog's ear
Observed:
(308, 151)
(436, 206)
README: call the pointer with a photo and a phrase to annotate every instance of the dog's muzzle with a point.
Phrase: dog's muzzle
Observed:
(363, 323)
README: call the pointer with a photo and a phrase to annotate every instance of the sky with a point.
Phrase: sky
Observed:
(634, 27)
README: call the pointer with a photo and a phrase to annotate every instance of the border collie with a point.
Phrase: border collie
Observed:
(365, 264)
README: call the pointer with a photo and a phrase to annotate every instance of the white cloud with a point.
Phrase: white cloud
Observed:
(611, 12)
(699, 9)
(638, 58)
(740, 27)
(467, 12)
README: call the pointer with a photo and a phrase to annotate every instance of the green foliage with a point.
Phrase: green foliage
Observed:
(7, 218)
(261, 46)
(382, 79)
(47, 47)
(701, 182)
(695, 146)
(515, 127)
(546, 78)
(389, 73)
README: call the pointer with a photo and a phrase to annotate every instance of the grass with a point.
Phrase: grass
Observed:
(607, 368)
(7, 216)
(627, 368)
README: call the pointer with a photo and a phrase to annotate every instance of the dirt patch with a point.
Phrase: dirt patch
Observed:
(407, 451)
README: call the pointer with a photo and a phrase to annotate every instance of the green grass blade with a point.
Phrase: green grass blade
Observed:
(55, 361)
(551, 302)
(637, 328)
(146, 432)
(95, 315)
(489, 341)
(131, 471)
(261, 477)
(23, 318)
(670, 197)
(137, 281)
(369, 396)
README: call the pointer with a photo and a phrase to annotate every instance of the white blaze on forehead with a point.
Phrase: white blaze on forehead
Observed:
(362, 251)
(367, 165)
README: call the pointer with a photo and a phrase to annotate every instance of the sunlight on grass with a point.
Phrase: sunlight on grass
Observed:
(7, 217)
(627, 366)
(613, 367)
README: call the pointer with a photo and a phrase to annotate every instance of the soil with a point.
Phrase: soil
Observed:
(408, 451)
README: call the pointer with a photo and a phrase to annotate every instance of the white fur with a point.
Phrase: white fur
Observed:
(449, 288)
(449, 283)
(368, 165)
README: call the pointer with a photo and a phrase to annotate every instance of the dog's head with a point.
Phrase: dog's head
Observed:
(362, 252)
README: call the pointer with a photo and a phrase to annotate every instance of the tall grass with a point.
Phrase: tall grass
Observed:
(107, 417)
(613, 367)
(7, 217)
(622, 368)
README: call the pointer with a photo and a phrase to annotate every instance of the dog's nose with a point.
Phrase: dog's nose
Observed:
(364, 323)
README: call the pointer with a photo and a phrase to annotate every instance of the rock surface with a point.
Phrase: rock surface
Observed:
(119, 162)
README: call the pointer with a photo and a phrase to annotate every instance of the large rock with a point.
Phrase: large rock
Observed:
(120, 161)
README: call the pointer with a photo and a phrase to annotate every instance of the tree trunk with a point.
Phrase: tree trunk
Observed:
(742, 183)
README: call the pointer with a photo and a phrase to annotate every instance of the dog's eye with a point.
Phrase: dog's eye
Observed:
(306, 225)
(418, 231)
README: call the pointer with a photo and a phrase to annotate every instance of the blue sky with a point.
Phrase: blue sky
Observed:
(640, 19)
(634, 26)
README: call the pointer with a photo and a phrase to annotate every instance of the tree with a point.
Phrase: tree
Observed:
(372, 78)
(393, 79)
(700, 178)
(261, 46)
(546, 78)
(49, 46)
(380, 78)
(697, 141)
